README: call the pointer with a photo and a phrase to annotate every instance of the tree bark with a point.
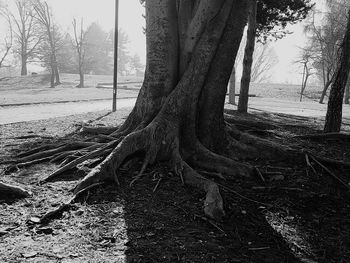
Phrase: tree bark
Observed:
(335, 102)
(57, 73)
(347, 92)
(81, 79)
(24, 70)
(232, 87)
(324, 91)
(248, 59)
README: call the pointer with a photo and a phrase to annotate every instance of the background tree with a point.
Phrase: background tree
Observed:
(335, 102)
(264, 59)
(136, 65)
(25, 31)
(306, 61)
(99, 50)
(123, 55)
(8, 39)
(66, 55)
(325, 36)
(273, 17)
(79, 44)
(52, 39)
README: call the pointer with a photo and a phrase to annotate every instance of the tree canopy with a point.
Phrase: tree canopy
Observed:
(273, 16)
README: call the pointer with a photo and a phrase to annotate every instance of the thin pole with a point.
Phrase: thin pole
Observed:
(115, 76)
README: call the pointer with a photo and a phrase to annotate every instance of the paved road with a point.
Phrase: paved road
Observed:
(12, 114)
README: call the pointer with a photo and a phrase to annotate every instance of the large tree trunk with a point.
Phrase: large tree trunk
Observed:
(179, 112)
(232, 87)
(335, 102)
(248, 59)
(178, 115)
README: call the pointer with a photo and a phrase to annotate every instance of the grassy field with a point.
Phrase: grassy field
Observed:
(35, 89)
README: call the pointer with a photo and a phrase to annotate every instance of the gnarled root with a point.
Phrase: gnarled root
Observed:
(213, 204)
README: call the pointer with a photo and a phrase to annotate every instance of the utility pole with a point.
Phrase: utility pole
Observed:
(115, 76)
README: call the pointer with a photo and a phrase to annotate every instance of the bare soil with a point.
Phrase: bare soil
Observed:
(297, 215)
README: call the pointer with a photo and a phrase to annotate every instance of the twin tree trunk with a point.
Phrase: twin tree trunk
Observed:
(248, 59)
(335, 102)
(179, 112)
(177, 31)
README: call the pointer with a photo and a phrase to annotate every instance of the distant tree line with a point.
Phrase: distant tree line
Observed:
(34, 36)
(325, 35)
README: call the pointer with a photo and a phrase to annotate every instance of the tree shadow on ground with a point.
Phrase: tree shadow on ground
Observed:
(166, 224)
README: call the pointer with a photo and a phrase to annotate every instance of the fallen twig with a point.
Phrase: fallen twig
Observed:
(309, 163)
(155, 188)
(330, 135)
(210, 222)
(331, 173)
(260, 176)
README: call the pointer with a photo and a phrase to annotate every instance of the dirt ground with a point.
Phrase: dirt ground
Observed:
(297, 215)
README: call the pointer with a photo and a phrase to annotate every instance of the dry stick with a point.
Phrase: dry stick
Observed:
(309, 163)
(261, 177)
(263, 188)
(72, 164)
(155, 188)
(332, 161)
(239, 195)
(331, 173)
(210, 222)
(330, 135)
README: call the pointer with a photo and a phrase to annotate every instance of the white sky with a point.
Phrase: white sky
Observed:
(131, 21)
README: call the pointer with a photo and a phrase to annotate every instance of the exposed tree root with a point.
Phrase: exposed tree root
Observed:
(12, 192)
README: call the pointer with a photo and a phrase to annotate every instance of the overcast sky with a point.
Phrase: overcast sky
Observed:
(131, 21)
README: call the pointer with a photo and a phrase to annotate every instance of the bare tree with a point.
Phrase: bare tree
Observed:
(25, 31)
(79, 44)
(45, 19)
(325, 38)
(307, 63)
(264, 59)
(8, 39)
